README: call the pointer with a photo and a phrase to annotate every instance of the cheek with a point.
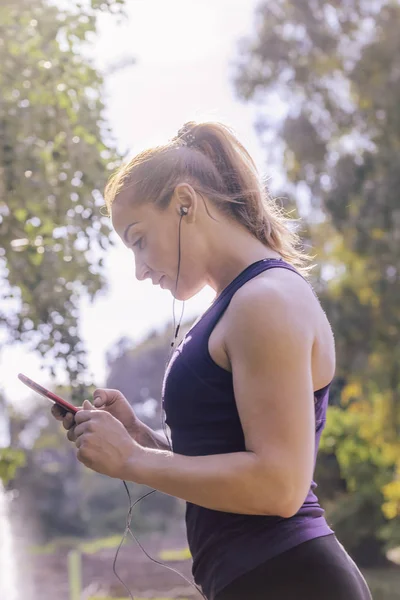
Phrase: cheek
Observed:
(159, 254)
(165, 244)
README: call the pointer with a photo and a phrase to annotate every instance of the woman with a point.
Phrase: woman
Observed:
(245, 393)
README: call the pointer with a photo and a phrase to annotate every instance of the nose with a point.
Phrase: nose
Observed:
(141, 270)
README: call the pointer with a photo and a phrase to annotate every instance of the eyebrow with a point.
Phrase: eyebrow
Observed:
(128, 228)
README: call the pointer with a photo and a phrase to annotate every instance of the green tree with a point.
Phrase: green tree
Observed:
(10, 458)
(335, 66)
(55, 157)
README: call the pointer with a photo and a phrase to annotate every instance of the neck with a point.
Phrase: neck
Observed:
(231, 253)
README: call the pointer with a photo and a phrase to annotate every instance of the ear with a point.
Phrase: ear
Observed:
(185, 197)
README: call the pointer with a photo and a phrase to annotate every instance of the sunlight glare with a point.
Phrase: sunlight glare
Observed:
(8, 560)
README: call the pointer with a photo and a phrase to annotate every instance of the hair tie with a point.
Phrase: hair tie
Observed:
(188, 139)
(185, 136)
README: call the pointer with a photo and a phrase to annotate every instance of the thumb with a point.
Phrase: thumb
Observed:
(87, 405)
(98, 400)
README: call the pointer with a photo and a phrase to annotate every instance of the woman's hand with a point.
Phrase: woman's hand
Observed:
(111, 401)
(115, 403)
(104, 444)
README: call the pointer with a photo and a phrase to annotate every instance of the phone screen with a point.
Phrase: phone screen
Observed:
(47, 394)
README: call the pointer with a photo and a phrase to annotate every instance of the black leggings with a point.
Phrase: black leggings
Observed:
(319, 569)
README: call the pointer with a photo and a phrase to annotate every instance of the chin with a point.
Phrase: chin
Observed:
(185, 293)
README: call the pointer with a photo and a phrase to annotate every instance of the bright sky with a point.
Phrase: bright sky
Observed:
(184, 49)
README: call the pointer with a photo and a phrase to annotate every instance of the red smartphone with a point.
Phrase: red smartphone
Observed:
(47, 394)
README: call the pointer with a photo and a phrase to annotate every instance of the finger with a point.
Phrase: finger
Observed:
(104, 396)
(81, 429)
(68, 421)
(99, 398)
(71, 434)
(84, 415)
(58, 417)
(58, 412)
(55, 410)
(98, 402)
(79, 441)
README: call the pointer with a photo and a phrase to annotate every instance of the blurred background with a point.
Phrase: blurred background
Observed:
(312, 89)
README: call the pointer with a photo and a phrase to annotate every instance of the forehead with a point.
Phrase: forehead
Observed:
(124, 213)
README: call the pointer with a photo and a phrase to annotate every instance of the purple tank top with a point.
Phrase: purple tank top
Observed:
(201, 413)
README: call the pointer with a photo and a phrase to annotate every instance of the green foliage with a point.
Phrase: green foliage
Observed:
(335, 65)
(10, 461)
(55, 158)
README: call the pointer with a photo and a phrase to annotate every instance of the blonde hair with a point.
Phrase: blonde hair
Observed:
(210, 157)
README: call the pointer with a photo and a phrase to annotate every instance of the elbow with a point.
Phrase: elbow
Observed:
(288, 491)
(286, 509)
(289, 511)
(294, 501)
(288, 501)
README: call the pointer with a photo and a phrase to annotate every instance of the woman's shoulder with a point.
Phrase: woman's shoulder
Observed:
(276, 292)
(275, 305)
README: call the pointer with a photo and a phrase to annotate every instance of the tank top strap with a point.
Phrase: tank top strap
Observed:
(213, 313)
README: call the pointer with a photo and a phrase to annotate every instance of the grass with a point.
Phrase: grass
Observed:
(170, 555)
(93, 546)
(384, 583)
(85, 546)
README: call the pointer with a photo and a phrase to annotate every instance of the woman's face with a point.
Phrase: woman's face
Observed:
(153, 236)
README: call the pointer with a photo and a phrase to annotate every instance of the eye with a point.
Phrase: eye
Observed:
(138, 243)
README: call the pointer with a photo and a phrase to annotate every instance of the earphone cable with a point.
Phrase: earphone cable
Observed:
(132, 505)
(129, 530)
(174, 330)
